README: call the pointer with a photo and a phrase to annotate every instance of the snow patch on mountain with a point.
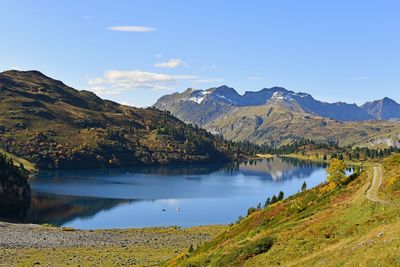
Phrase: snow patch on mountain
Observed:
(282, 96)
(199, 96)
(227, 99)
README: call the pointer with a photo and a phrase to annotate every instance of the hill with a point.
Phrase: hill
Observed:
(277, 124)
(55, 126)
(354, 224)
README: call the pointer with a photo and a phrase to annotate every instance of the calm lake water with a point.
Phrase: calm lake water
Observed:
(163, 196)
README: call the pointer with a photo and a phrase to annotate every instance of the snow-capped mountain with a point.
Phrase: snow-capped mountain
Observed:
(201, 106)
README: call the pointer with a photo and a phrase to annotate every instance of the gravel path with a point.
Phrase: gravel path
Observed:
(372, 192)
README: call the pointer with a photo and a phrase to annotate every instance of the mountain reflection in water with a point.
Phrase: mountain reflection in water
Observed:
(203, 194)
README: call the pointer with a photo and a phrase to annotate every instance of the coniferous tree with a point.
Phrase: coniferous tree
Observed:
(267, 202)
(304, 187)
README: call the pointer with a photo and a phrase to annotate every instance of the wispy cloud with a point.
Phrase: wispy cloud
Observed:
(115, 81)
(170, 64)
(131, 29)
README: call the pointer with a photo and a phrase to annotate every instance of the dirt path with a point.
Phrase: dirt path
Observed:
(372, 192)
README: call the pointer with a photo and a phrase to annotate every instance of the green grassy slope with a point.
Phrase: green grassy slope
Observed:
(329, 226)
(17, 161)
(55, 126)
(278, 124)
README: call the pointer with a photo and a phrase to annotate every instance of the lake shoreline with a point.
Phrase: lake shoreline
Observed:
(153, 197)
(34, 239)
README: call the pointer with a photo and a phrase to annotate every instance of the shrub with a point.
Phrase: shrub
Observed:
(245, 252)
(336, 171)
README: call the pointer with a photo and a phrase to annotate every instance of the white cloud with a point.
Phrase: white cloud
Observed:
(131, 29)
(115, 81)
(172, 63)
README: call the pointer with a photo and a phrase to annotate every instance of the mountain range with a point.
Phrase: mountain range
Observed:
(55, 126)
(227, 97)
(276, 115)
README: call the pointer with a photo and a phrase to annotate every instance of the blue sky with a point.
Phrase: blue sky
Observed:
(136, 51)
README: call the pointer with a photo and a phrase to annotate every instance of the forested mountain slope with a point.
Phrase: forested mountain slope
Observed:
(56, 126)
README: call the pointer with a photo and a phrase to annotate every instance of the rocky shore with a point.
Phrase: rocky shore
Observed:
(29, 244)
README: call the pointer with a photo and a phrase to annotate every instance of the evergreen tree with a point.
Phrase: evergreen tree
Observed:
(267, 202)
(304, 187)
(274, 199)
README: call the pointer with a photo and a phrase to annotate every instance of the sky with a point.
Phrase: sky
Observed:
(133, 52)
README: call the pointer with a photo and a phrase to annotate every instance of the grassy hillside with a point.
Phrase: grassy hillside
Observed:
(55, 126)
(327, 225)
(279, 124)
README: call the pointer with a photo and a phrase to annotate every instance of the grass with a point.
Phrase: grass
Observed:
(265, 156)
(319, 158)
(17, 161)
(87, 256)
(324, 226)
(68, 229)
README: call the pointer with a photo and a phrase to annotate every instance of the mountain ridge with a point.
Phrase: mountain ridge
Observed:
(277, 115)
(229, 96)
(383, 109)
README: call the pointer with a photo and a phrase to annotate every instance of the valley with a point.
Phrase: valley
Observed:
(200, 133)
(148, 174)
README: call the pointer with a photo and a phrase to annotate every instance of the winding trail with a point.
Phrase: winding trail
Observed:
(372, 192)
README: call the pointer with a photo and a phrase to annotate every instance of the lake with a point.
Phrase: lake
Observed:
(163, 196)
